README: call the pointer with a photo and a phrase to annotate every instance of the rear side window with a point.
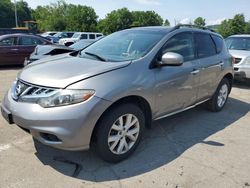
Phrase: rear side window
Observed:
(205, 45)
(84, 36)
(70, 34)
(219, 43)
(182, 44)
(29, 41)
(98, 35)
(11, 41)
(91, 36)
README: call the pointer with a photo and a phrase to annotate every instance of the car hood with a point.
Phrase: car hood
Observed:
(46, 49)
(62, 70)
(239, 53)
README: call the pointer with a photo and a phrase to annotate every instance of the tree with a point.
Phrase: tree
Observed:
(166, 23)
(247, 28)
(116, 20)
(23, 12)
(146, 18)
(237, 25)
(62, 16)
(123, 18)
(200, 22)
(7, 13)
(81, 18)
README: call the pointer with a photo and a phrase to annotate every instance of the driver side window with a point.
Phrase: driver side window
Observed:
(182, 44)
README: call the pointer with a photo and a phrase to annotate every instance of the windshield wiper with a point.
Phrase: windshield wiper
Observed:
(96, 56)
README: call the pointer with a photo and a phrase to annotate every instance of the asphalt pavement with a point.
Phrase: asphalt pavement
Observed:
(195, 148)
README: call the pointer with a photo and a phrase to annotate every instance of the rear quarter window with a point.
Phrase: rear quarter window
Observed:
(218, 42)
(205, 45)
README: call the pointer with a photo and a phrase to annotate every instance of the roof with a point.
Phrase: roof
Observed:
(165, 29)
(23, 34)
(243, 35)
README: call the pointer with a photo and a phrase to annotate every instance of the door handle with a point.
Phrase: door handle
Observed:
(195, 71)
(221, 63)
(14, 49)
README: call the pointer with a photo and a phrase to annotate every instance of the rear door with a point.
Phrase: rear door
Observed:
(210, 64)
(177, 86)
(8, 51)
(26, 45)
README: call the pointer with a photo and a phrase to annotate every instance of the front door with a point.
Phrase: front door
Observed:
(177, 86)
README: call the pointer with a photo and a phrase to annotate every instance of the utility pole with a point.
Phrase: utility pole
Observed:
(15, 14)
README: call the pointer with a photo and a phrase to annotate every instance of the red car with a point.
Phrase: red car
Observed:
(14, 48)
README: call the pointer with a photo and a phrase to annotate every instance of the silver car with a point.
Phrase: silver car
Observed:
(239, 47)
(105, 95)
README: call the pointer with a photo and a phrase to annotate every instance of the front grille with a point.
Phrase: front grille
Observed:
(237, 60)
(23, 91)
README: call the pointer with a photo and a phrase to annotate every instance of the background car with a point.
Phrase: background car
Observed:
(60, 35)
(48, 33)
(239, 47)
(15, 47)
(42, 51)
(80, 36)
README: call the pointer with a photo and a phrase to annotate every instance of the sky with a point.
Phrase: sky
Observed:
(176, 11)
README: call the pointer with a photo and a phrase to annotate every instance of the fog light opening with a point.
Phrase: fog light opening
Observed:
(50, 137)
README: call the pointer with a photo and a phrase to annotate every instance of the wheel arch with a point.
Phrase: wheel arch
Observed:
(229, 77)
(141, 102)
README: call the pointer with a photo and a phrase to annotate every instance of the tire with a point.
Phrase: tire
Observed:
(219, 99)
(114, 141)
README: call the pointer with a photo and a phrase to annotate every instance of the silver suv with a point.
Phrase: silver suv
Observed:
(239, 47)
(105, 95)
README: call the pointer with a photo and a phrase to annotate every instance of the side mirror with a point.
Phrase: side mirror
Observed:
(171, 59)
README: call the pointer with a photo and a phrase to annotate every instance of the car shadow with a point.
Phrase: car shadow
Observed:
(242, 84)
(163, 143)
(10, 67)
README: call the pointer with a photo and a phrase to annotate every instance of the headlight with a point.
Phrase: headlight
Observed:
(247, 61)
(65, 97)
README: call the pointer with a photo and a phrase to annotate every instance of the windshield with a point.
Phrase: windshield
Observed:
(238, 43)
(57, 34)
(76, 35)
(80, 44)
(123, 46)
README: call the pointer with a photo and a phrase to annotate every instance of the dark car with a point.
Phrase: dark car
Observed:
(14, 48)
(42, 51)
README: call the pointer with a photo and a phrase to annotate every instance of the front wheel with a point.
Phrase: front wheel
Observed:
(119, 132)
(219, 99)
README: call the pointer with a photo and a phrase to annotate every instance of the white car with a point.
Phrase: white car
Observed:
(239, 48)
(79, 36)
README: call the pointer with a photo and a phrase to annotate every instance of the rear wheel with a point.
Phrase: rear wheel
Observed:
(119, 132)
(219, 99)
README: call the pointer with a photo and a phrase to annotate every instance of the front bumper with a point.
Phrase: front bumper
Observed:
(241, 73)
(72, 125)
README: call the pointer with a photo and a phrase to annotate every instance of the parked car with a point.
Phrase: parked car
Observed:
(42, 51)
(80, 36)
(239, 47)
(60, 35)
(14, 48)
(107, 94)
(48, 33)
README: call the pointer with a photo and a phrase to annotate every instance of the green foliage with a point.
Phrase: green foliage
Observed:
(62, 16)
(200, 21)
(146, 18)
(123, 18)
(116, 20)
(237, 25)
(166, 23)
(7, 13)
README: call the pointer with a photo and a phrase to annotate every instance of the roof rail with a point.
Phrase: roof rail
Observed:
(191, 26)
